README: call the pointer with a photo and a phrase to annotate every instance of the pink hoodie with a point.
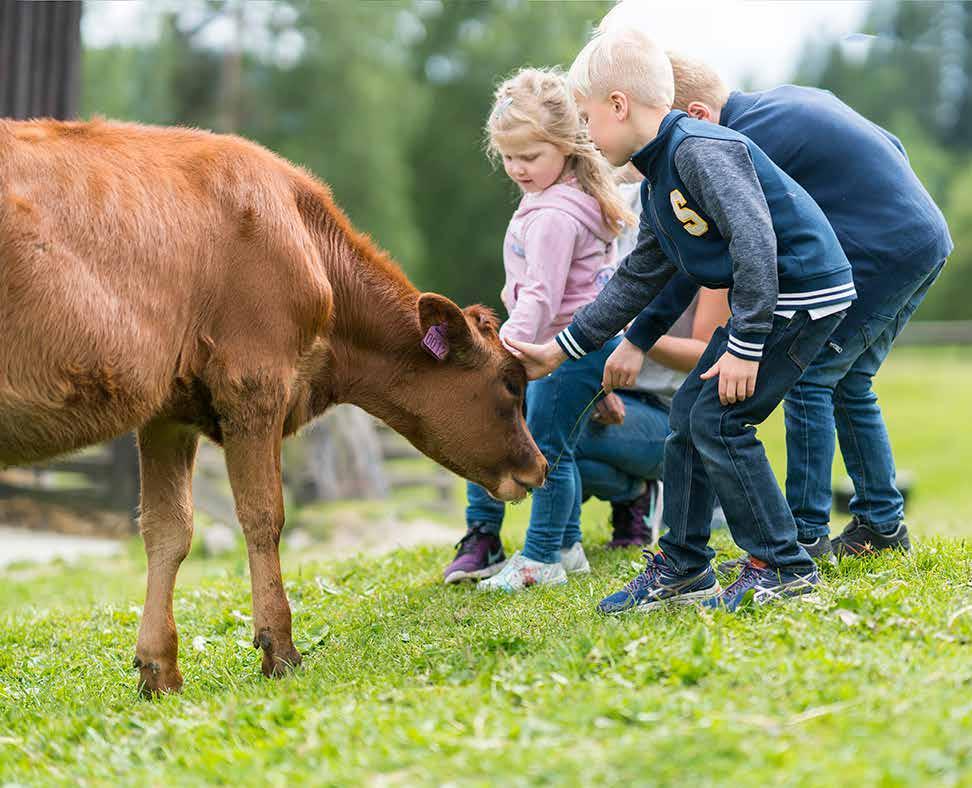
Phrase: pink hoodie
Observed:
(558, 254)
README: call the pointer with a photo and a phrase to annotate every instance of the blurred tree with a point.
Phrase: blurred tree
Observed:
(914, 59)
(346, 107)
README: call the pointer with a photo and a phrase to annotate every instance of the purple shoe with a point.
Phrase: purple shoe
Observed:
(631, 522)
(479, 555)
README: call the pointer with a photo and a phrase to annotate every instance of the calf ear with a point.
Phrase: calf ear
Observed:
(444, 328)
(484, 317)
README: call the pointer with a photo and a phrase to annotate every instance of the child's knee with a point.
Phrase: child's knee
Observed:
(706, 425)
(855, 388)
(678, 419)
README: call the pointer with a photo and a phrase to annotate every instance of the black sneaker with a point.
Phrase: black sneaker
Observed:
(861, 539)
(820, 549)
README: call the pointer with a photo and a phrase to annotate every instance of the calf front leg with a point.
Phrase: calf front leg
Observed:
(167, 454)
(253, 465)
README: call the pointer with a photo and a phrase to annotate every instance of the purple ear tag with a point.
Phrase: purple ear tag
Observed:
(436, 341)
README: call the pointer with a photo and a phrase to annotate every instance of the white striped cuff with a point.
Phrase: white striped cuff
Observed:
(815, 298)
(749, 350)
(569, 345)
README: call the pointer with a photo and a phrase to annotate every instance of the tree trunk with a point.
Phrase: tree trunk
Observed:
(40, 59)
(339, 457)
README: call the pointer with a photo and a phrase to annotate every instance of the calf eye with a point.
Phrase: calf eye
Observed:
(512, 388)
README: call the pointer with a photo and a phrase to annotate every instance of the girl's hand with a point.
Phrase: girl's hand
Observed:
(539, 360)
(622, 367)
(737, 378)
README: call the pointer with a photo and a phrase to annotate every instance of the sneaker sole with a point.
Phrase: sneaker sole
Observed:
(808, 592)
(583, 570)
(480, 574)
(682, 599)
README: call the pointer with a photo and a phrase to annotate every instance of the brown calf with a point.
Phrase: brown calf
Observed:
(176, 282)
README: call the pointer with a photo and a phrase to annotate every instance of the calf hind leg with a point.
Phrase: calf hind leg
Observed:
(167, 454)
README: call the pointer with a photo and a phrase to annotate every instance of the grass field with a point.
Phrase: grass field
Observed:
(407, 682)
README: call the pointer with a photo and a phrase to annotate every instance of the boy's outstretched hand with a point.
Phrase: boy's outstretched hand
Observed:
(539, 360)
(622, 367)
(737, 378)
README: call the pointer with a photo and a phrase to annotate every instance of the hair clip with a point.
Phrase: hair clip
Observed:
(502, 105)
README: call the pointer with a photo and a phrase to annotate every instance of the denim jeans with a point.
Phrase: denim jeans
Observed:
(713, 450)
(835, 394)
(554, 406)
(615, 459)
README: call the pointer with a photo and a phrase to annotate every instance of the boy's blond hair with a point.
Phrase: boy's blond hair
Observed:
(697, 81)
(628, 61)
(537, 103)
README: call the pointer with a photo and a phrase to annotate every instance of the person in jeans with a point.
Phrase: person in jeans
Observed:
(896, 240)
(720, 212)
(557, 253)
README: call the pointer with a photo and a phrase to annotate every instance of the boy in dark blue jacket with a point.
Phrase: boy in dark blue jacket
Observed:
(896, 240)
(719, 212)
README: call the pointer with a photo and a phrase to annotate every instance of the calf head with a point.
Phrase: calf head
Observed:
(467, 400)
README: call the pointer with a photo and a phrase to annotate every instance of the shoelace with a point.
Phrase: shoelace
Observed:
(468, 543)
(647, 577)
(750, 572)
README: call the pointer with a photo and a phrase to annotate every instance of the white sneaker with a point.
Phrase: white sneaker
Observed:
(521, 572)
(574, 560)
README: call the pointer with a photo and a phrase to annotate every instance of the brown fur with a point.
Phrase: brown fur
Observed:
(177, 282)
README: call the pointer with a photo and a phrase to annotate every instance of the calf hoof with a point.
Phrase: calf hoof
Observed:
(157, 677)
(279, 654)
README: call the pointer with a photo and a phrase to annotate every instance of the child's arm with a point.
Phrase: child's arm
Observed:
(548, 246)
(720, 176)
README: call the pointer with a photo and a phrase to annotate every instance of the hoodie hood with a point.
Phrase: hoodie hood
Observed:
(569, 198)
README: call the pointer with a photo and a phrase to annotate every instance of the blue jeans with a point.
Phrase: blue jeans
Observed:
(554, 406)
(835, 393)
(615, 459)
(713, 450)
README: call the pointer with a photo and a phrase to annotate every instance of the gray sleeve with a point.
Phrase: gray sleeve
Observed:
(721, 178)
(639, 278)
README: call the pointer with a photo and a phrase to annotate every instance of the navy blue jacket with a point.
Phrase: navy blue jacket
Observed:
(858, 173)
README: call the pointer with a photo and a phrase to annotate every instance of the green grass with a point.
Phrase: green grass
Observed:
(407, 682)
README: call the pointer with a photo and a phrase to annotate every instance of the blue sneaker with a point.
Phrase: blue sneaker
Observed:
(660, 584)
(758, 584)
